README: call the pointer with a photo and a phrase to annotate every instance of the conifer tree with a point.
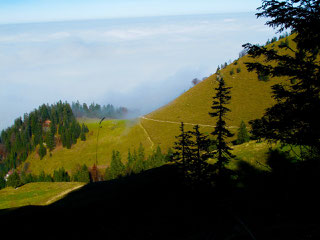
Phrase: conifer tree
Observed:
(243, 135)
(156, 159)
(182, 154)
(130, 162)
(83, 136)
(292, 120)
(61, 175)
(159, 157)
(68, 138)
(42, 176)
(221, 132)
(140, 160)
(50, 140)
(199, 166)
(14, 180)
(116, 168)
(42, 150)
(169, 155)
(82, 174)
(84, 130)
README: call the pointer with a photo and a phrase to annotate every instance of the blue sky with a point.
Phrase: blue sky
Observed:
(141, 63)
(14, 11)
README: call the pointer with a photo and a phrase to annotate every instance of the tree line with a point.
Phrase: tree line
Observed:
(42, 130)
(16, 179)
(137, 161)
(95, 110)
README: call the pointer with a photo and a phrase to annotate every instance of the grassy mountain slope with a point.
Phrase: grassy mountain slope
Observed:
(114, 135)
(250, 98)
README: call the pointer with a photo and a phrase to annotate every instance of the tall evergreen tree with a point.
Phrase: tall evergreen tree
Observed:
(42, 150)
(221, 132)
(292, 120)
(182, 154)
(201, 154)
(50, 141)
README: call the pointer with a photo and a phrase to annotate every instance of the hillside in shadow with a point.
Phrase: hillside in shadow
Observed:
(156, 204)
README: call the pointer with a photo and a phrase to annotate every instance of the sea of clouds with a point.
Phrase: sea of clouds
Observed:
(140, 63)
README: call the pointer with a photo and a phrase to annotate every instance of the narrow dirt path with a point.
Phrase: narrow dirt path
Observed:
(148, 136)
(55, 198)
(193, 124)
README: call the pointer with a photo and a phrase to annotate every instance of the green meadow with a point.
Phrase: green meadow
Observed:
(249, 99)
(35, 194)
(117, 135)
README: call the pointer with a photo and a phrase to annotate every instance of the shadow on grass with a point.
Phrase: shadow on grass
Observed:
(156, 204)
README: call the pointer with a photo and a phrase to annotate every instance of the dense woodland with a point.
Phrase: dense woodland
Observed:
(41, 130)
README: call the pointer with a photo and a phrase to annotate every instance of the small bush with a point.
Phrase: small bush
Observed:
(263, 77)
(243, 135)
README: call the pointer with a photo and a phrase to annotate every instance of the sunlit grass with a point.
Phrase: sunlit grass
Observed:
(114, 135)
(249, 99)
(35, 194)
(256, 154)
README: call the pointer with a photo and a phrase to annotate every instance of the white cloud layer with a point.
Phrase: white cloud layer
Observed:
(139, 63)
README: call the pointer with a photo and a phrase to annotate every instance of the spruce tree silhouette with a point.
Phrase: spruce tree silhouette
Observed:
(182, 154)
(201, 154)
(222, 98)
(292, 120)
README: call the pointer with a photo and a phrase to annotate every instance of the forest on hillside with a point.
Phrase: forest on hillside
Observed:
(41, 130)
